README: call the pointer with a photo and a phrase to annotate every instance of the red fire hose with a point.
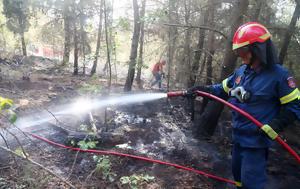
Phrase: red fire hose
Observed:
(139, 158)
(247, 115)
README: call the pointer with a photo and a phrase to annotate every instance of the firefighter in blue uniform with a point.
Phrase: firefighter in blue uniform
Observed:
(266, 90)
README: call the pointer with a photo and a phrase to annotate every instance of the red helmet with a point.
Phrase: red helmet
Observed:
(249, 33)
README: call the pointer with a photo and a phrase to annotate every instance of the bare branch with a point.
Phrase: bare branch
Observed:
(6, 144)
(37, 164)
(201, 27)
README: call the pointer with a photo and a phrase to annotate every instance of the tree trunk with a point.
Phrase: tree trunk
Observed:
(23, 44)
(134, 46)
(186, 67)
(67, 32)
(82, 38)
(209, 76)
(94, 68)
(107, 43)
(140, 58)
(289, 33)
(172, 39)
(76, 50)
(203, 63)
(198, 52)
(209, 119)
(257, 10)
(211, 45)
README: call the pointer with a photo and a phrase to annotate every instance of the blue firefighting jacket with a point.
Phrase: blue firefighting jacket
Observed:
(270, 88)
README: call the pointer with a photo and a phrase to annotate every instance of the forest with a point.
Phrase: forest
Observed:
(84, 75)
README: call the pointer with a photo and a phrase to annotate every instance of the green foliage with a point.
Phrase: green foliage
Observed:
(136, 181)
(87, 129)
(124, 24)
(12, 116)
(72, 143)
(89, 89)
(20, 152)
(87, 144)
(104, 166)
(156, 15)
(52, 32)
(17, 14)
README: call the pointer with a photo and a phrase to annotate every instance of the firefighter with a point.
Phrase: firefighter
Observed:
(266, 90)
(158, 73)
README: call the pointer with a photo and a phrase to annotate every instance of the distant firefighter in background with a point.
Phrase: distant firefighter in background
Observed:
(158, 73)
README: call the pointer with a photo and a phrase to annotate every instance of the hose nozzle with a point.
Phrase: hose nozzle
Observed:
(176, 93)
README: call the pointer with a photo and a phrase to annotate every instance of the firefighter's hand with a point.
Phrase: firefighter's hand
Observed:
(269, 131)
(5, 103)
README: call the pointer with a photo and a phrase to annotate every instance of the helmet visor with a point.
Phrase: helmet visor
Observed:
(242, 52)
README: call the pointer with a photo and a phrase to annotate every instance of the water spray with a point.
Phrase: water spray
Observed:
(240, 111)
(80, 106)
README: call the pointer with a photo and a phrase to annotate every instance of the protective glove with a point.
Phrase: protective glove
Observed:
(240, 93)
(191, 92)
(269, 131)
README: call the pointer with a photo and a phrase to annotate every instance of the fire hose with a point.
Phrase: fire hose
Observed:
(104, 152)
(242, 112)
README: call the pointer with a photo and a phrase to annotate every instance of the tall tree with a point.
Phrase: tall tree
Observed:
(184, 69)
(141, 48)
(198, 52)
(107, 42)
(289, 33)
(17, 14)
(172, 33)
(257, 10)
(211, 43)
(83, 34)
(76, 45)
(67, 16)
(99, 33)
(187, 44)
(134, 47)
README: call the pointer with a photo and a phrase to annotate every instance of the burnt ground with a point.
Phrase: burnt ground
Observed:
(158, 129)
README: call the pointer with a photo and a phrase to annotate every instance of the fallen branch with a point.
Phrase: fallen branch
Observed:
(39, 165)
